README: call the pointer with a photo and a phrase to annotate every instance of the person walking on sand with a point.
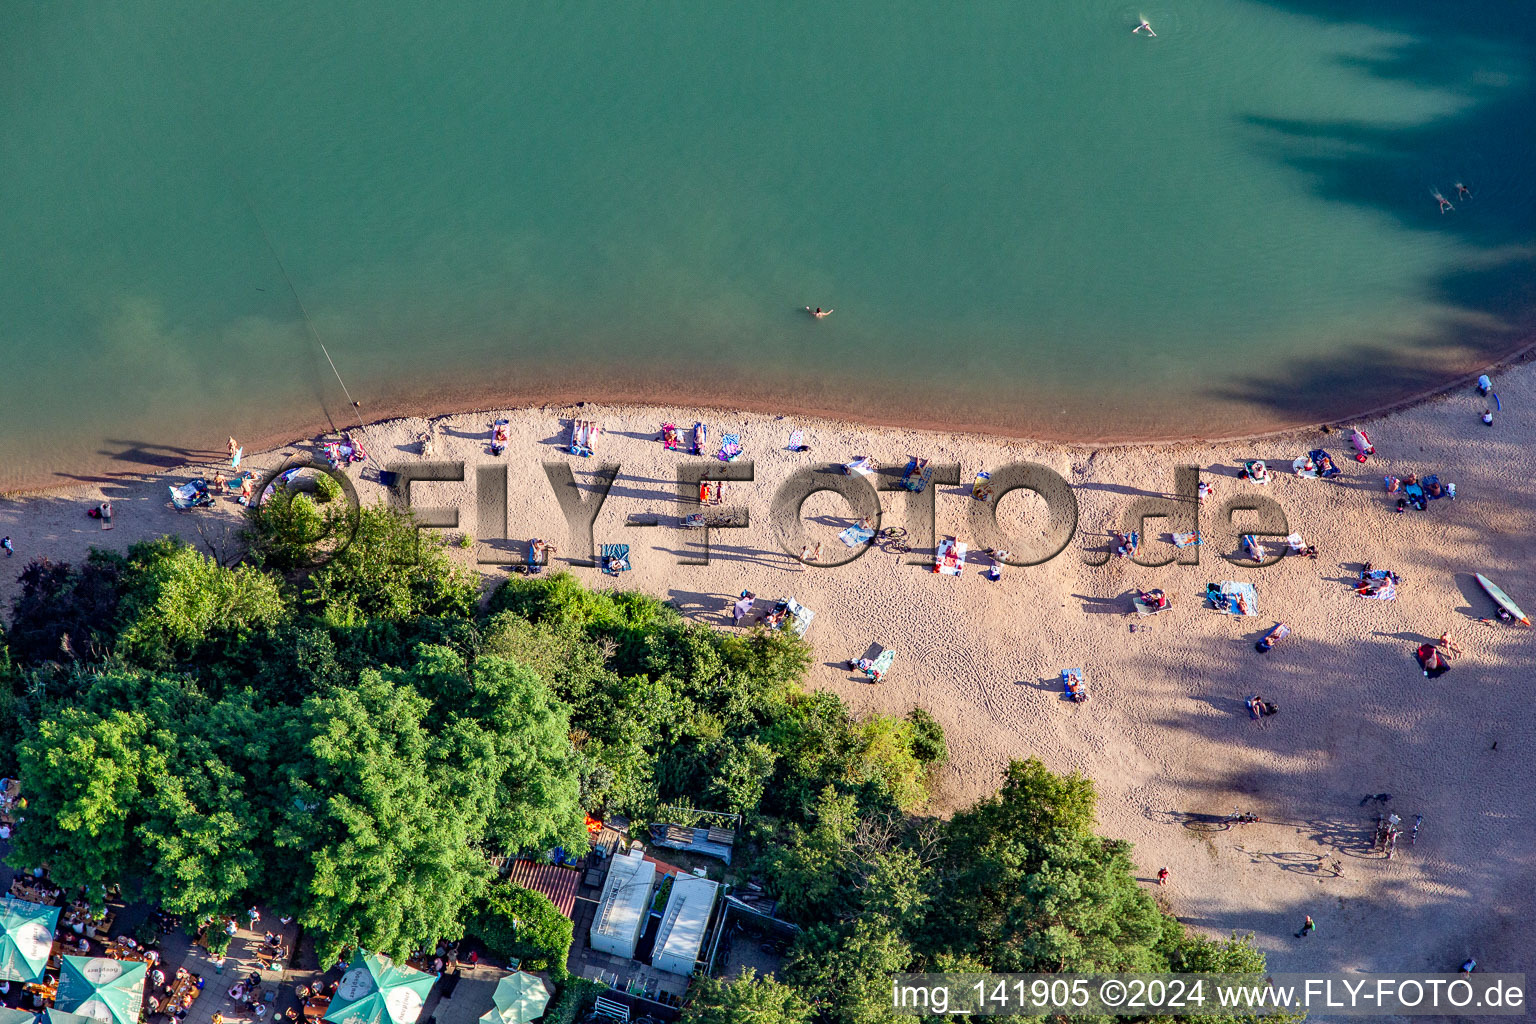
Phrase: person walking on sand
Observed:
(1162, 876)
(232, 447)
(1487, 417)
(818, 312)
(1202, 492)
(5, 542)
(1307, 928)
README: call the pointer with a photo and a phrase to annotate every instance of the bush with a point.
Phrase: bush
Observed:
(576, 997)
(928, 744)
(521, 924)
(64, 613)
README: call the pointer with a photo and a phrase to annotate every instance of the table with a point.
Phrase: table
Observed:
(315, 1008)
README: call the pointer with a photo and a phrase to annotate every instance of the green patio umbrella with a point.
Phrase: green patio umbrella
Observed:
(26, 938)
(108, 990)
(10, 1016)
(64, 1017)
(519, 998)
(375, 990)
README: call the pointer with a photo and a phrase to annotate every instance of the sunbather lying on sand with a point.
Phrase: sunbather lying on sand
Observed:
(1153, 598)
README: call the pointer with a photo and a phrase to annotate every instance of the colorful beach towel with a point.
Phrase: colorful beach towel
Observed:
(1072, 684)
(855, 535)
(1304, 466)
(1326, 467)
(730, 448)
(1233, 598)
(1184, 540)
(1379, 585)
(796, 441)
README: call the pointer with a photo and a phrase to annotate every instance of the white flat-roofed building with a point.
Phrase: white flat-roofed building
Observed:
(683, 923)
(625, 905)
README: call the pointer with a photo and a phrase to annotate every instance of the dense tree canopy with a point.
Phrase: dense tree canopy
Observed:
(338, 729)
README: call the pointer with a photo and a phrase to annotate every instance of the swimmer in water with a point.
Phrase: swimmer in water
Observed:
(1145, 26)
(1445, 204)
(1462, 192)
(818, 312)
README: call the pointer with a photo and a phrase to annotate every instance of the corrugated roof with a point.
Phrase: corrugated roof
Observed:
(558, 883)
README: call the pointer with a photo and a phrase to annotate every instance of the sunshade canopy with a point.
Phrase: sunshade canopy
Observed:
(100, 987)
(375, 990)
(26, 938)
(519, 998)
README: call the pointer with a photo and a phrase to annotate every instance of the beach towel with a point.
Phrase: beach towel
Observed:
(800, 616)
(1363, 447)
(950, 557)
(1145, 608)
(1257, 471)
(582, 437)
(981, 490)
(1446, 491)
(796, 441)
(192, 494)
(730, 448)
(1224, 597)
(881, 665)
(614, 558)
(1432, 661)
(862, 465)
(855, 535)
(743, 607)
(669, 437)
(1254, 549)
(1414, 493)
(1304, 466)
(917, 475)
(700, 436)
(1070, 678)
(1326, 467)
(234, 460)
(1274, 636)
(1184, 540)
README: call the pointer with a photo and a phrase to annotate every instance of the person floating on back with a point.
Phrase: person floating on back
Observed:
(1144, 27)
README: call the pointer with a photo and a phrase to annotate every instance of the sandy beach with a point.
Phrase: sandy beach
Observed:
(1166, 735)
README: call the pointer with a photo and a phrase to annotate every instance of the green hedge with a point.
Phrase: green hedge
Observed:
(521, 924)
(576, 997)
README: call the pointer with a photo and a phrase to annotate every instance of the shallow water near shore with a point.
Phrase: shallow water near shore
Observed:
(1027, 218)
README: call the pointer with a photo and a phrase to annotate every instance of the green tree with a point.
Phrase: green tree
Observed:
(845, 970)
(535, 802)
(1025, 884)
(174, 599)
(745, 998)
(374, 808)
(85, 776)
(390, 571)
(805, 869)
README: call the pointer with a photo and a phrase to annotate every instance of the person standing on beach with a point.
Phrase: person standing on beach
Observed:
(1162, 876)
(1307, 928)
(1487, 417)
(5, 542)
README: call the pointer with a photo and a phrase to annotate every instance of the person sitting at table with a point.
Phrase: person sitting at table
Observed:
(271, 940)
(302, 993)
(84, 944)
(153, 1005)
(197, 979)
(182, 972)
(237, 992)
(157, 977)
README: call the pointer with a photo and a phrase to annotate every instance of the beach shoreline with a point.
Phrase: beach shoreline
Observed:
(1165, 736)
(555, 401)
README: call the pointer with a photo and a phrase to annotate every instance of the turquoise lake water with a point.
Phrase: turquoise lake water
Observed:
(1026, 217)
